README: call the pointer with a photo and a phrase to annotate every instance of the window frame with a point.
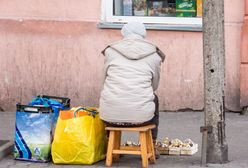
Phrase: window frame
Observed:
(107, 16)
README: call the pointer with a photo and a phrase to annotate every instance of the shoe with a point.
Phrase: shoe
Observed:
(157, 153)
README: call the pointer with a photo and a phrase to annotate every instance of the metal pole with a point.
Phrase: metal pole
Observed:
(214, 79)
(204, 149)
(205, 130)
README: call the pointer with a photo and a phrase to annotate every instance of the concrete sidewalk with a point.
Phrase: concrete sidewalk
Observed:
(180, 125)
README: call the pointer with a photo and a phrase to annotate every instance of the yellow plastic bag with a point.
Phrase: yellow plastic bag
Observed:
(80, 137)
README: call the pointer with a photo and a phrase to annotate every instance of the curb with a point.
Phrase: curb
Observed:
(6, 147)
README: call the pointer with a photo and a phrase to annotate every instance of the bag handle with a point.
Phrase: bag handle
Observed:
(91, 112)
(62, 100)
(39, 101)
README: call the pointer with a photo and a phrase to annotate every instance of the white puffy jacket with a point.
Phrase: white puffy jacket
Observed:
(132, 72)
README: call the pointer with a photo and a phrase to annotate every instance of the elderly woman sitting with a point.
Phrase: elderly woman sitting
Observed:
(132, 72)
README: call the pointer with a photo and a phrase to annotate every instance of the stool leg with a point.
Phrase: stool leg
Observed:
(143, 147)
(117, 143)
(150, 146)
(109, 158)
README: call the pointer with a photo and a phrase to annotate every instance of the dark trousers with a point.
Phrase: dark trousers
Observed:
(154, 120)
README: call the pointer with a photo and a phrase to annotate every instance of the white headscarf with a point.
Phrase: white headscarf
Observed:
(136, 28)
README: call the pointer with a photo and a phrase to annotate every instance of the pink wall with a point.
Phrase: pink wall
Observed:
(244, 61)
(51, 9)
(234, 11)
(42, 54)
(246, 8)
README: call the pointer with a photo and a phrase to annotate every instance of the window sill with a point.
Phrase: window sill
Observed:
(192, 28)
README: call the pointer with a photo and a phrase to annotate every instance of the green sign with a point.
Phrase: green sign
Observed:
(186, 8)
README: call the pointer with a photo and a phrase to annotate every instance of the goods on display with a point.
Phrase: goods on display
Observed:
(127, 7)
(158, 8)
(161, 8)
(199, 8)
(171, 147)
(185, 8)
(140, 7)
(177, 147)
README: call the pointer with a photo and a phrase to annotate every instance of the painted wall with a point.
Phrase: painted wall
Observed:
(53, 47)
(244, 60)
(234, 11)
(51, 10)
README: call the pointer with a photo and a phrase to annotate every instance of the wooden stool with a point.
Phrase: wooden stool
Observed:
(146, 148)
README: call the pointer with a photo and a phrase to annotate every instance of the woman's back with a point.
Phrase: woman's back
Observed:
(132, 74)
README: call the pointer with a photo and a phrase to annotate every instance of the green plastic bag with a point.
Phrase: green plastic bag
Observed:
(80, 137)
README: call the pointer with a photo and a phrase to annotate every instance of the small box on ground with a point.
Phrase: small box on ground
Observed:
(164, 150)
(177, 147)
(174, 151)
(189, 150)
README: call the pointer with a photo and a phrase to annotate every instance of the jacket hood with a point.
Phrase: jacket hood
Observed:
(133, 48)
(136, 28)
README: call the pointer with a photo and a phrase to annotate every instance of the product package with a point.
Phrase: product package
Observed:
(33, 133)
(199, 8)
(162, 8)
(127, 7)
(140, 8)
(186, 8)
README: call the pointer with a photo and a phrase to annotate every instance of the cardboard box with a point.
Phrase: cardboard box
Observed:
(174, 150)
(163, 150)
(189, 151)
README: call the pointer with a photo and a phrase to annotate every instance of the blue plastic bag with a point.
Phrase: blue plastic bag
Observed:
(56, 103)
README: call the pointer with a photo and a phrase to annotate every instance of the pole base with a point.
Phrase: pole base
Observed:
(219, 158)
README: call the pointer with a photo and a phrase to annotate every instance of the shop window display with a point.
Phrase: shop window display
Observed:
(177, 13)
(158, 8)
